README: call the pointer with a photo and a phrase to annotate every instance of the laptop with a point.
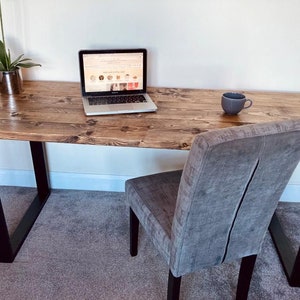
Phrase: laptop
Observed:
(114, 81)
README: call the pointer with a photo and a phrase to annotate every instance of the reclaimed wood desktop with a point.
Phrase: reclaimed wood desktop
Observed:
(53, 112)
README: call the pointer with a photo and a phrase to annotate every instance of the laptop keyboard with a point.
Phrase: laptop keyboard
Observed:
(103, 100)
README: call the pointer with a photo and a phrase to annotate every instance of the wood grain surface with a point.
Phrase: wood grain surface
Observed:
(53, 112)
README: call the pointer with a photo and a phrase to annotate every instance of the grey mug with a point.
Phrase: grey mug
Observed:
(233, 103)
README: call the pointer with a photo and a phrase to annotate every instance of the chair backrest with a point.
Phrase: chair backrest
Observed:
(229, 190)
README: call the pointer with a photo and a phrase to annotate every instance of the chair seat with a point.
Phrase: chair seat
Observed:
(144, 193)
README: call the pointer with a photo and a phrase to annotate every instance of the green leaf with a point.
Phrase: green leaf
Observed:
(4, 57)
(28, 65)
(16, 62)
(2, 68)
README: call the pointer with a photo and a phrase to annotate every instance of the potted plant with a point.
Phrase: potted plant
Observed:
(11, 68)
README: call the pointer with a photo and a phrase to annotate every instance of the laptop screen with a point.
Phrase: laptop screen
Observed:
(105, 72)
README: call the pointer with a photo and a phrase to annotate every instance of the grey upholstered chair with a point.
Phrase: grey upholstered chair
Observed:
(219, 207)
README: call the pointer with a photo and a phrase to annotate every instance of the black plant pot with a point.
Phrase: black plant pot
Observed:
(12, 82)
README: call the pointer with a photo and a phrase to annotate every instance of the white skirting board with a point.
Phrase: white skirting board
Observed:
(58, 180)
(97, 182)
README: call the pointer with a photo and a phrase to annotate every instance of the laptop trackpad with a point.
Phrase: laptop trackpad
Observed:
(123, 107)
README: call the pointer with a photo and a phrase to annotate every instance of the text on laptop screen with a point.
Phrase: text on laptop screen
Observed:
(104, 72)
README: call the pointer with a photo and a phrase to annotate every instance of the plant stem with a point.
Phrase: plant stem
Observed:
(2, 30)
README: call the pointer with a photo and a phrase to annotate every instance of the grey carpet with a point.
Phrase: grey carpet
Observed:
(79, 249)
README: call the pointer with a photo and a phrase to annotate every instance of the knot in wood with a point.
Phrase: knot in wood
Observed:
(91, 122)
(125, 128)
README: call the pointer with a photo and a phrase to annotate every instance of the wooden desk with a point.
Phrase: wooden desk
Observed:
(53, 112)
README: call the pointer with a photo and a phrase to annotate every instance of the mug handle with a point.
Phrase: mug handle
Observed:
(250, 103)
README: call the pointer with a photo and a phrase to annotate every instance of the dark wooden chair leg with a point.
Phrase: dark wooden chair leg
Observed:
(245, 275)
(290, 261)
(134, 232)
(295, 273)
(173, 287)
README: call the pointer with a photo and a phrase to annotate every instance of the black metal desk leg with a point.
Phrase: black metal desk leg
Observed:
(5, 247)
(40, 170)
(9, 246)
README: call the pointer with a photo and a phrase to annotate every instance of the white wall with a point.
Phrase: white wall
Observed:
(233, 44)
